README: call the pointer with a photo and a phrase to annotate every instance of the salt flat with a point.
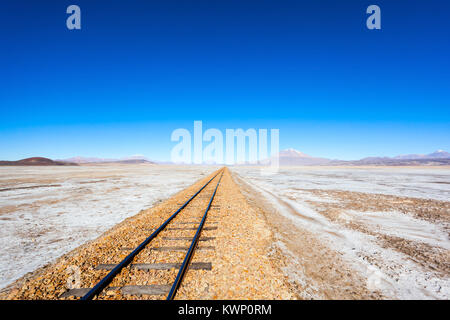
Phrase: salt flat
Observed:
(48, 211)
(416, 182)
(343, 232)
(352, 229)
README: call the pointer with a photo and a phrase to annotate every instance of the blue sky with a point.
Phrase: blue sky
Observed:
(137, 70)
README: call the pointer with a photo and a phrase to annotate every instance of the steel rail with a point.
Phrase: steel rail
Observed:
(127, 260)
(190, 253)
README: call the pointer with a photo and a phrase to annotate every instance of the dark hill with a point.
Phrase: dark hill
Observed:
(36, 161)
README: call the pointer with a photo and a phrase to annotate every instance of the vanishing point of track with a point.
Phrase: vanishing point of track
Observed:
(103, 283)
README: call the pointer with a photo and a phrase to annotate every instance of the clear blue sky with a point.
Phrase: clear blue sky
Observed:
(137, 70)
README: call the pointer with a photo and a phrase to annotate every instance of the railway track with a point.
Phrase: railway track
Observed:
(184, 219)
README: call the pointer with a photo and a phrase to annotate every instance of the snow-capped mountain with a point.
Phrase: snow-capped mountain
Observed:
(292, 157)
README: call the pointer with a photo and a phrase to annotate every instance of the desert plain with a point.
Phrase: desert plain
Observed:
(318, 232)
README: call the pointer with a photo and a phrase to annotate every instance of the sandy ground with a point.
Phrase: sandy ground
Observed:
(244, 265)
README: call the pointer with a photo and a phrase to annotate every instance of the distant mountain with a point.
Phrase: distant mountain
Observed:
(134, 161)
(288, 157)
(394, 162)
(82, 160)
(437, 158)
(128, 160)
(439, 154)
(292, 157)
(36, 161)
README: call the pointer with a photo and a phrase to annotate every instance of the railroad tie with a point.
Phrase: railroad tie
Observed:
(154, 289)
(79, 292)
(192, 222)
(192, 228)
(183, 249)
(189, 238)
(159, 266)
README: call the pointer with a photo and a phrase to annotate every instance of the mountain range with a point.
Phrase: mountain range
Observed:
(292, 157)
(127, 160)
(36, 161)
(288, 157)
